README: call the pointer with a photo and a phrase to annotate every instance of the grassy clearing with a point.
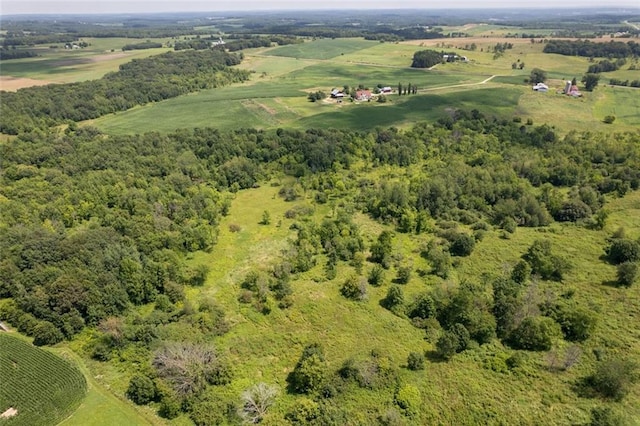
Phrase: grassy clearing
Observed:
(101, 399)
(463, 391)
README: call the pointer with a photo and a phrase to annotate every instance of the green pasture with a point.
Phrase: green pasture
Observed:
(322, 48)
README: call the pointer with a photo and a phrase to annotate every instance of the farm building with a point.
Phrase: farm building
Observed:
(540, 87)
(335, 93)
(363, 95)
(385, 90)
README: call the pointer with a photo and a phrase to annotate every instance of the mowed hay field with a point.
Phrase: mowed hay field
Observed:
(276, 95)
(40, 386)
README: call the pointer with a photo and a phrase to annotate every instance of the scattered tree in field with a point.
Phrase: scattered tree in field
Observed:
(256, 401)
(404, 274)
(590, 81)
(537, 76)
(609, 119)
(544, 263)
(535, 334)
(354, 288)
(613, 378)
(266, 218)
(394, 298)
(415, 361)
(189, 367)
(382, 248)
(627, 273)
(521, 272)
(376, 276)
(310, 371)
(623, 250)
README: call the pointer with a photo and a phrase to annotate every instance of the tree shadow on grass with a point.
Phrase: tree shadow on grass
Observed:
(434, 356)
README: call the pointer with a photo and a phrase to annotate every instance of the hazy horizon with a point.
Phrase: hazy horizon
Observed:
(52, 7)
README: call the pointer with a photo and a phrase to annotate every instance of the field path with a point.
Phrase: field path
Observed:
(485, 81)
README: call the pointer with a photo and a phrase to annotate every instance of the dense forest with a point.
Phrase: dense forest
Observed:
(136, 83)
(590, 49)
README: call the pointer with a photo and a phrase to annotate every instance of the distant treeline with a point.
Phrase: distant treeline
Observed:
(141, 46)
(20, 39)
(136, 83)
(590, 49)
(618, 82)
(6, 54)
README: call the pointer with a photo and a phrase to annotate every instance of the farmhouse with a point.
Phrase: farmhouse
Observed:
(363, 95)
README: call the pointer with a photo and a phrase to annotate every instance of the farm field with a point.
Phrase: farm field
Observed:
(43, 388)
(276, 94)
(61, 65)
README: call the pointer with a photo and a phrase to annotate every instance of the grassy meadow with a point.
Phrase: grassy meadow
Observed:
(282, 77)
(265, 348)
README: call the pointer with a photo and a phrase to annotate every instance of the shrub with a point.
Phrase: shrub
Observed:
(354, 288)
(544, 263)
(376, 276)
(408, 399)
(604, 416)
(609, 119)
(577, 324)
(623, 250)
(304, 411)
(415, 361)
(572, 211)
(141, 390)
(627, 273)
(393, 299)
(309, 373)
(404, 274)
(521, 272)
(462, 245)
(535, 334)
(613, 378)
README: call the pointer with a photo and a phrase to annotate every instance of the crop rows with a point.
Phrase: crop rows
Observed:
(41, 386)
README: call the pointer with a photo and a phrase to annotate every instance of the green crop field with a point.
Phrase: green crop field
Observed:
(321, 49)
(43, 388)
(61, 65)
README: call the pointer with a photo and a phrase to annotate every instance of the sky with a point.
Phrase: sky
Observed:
(9, 7)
